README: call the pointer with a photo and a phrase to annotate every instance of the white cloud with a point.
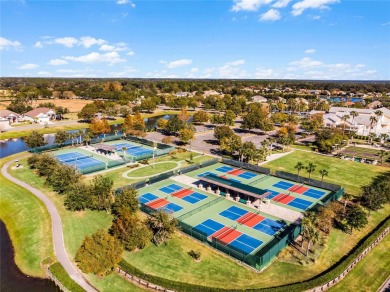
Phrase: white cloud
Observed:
(126, 72)
(177, 63)
(110, 48)
(130, 53)
(194, 70)
(88, 41)
(304, 63)
(249, 5)
(299, 7)
(270, 15)
(124, 2)
(310, 51)
(386, 23)
(38, 45)
(28, 66)
(6, 44)
(232, 70)
(57, 62)
(94, 57)
(263, 73)
(44, 73)
(281, 3)
(68, 42)
(316, 17)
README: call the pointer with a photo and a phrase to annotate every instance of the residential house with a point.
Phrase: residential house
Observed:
(182, 94)
(259, 98)
(40, 115)
(10, 116)
(374, 105)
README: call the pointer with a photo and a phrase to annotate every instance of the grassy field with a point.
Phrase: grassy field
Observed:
(113, 282)
(349, 174)
(28, 224)
(371, 272)
(117, 173)
(153, 169)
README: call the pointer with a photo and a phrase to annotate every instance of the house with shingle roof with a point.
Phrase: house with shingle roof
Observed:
(11, 116)
(40, 115)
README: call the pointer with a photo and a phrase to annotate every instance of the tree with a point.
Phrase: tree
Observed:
(99, 126)
(99, 253)
(184, 116)
(382, 155)
(101, 193)
(131, 231)
(323, 173)
(373, 198)
(299, 166)
(35, 139)
(60, 137)
(167, 140)
(186, 135)
(72, 136)
(356, 217)
(345, 118)
(229, 118)
(88, 111)
(87, 138)
(174, 125)
(200, 117)
(373, 120)
(347, 197)
(309, 229)
(354, 114)
(63, 177)
(162, 225)
(310, 168)
(78, 197)
(248, 151)
(125, 200)
(221, 132)
(231, 144)
(162, 123)
(148, 105)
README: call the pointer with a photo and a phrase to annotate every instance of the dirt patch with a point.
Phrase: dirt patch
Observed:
(74, 105)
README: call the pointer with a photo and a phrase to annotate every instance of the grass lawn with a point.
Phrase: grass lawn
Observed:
(113, 282)
(349, 174)
(171, 261)
(371, 272)
(28, 224)
(153, 169)
(120, 181)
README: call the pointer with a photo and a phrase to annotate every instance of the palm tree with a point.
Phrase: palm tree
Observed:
(347, 197)
(87, 138)
(310, 168)
(72, 137)
(309, 229)
(299, 167)
(373, 120)
(354, 114)
(378, 113)
(124, 148)
(382, 155)
(80, 133)
(384, 137)
(371, 137)
(162, 225)
(323, 173)
(344, 119)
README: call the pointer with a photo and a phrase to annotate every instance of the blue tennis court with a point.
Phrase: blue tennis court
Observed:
(194, 198)
(246, 243)
(247, 175)
(314, 193)
(132, 149)
(66, 157)
(208, 227)
(171, 208)
(233, 213)
(146, 198)
(224, 169)
(170, 189)
(268, 226)
(205, 173)
(85, 163)
(119, 146)
(273, 193)
(300, 203)
(283, 185)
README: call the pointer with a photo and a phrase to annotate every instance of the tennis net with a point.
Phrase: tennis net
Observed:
(70, 159)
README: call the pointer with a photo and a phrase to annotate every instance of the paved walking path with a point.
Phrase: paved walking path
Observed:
(59, 247)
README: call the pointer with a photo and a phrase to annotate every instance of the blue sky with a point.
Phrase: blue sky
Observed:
(259, 39)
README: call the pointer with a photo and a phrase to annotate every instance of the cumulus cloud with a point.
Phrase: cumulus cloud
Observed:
(124, 2)
(264, 73)
(310, 51)
(194, 70)
(249, 5)
(130, 53)
(6, 44)
(177, 63)
(270, 15)
(281, 3)
(68, 42)
(299, 7)
(43, 73)
(28, 66)
(232, 70)
(38, 45)
(126, 72)
(87, 41)
(117, 47)
(57, 62)
(94, 58)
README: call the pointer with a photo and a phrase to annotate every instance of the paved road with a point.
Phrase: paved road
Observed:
(59, 247)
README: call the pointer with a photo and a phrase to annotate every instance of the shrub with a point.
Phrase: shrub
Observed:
(194, 254)
(59, 272)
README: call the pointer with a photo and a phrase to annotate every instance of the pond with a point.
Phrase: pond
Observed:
(12, 279)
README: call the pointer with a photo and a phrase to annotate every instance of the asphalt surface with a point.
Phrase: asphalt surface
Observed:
(59, 246)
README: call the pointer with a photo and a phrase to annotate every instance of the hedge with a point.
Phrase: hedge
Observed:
(321, 279)
(59, 272)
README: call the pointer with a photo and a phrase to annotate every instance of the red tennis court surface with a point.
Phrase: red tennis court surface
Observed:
(283, 198)
(182, 193)
(253, 221)
(229, 235)
(298, 189)
(157, 203)
(236, 172)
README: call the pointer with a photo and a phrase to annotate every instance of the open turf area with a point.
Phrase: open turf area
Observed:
(351, 175)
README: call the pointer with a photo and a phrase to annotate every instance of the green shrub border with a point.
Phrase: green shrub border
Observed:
(319, 280)
(59, 272)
